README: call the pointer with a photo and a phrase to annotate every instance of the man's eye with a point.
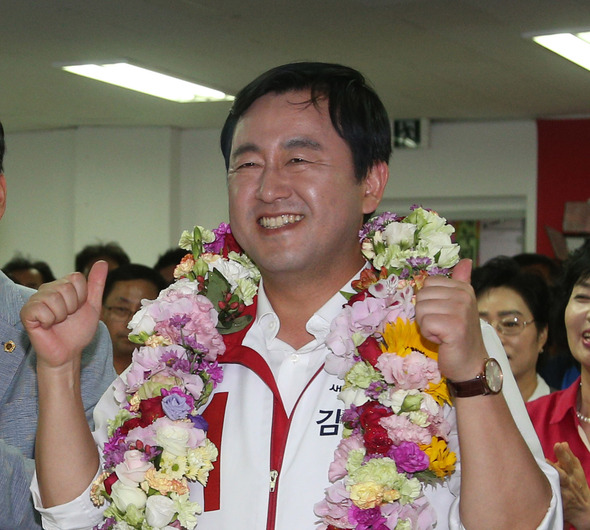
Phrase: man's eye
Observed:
(244, 165)
(297, 160)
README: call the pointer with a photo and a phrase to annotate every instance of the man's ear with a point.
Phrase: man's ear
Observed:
(2, 194)
(374, 185)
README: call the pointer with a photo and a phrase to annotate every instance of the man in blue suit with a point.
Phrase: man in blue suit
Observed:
(18, 394)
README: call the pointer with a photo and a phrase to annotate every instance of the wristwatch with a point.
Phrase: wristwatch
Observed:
(489, 381)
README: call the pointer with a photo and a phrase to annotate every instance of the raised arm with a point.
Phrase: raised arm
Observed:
(61, 319)
(502, 486)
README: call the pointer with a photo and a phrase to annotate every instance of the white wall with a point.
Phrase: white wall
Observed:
(142, 186)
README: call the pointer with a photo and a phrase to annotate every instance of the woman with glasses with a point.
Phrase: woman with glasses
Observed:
(516, 304)
(562, 419)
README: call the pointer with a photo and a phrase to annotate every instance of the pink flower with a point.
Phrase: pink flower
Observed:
(367, 315)
(337, 469)
(132, 470)
(189, 319)
(412, 371)
(333, 509)
(401, 429)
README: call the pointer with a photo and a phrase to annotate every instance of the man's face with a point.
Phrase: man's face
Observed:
(295, 205)
(120, 305)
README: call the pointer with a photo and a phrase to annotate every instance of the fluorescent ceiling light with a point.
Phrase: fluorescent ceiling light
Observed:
(126, 75)
(573, 46)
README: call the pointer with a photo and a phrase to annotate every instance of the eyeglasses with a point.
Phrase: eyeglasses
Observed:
(509, 325)
(120, 313)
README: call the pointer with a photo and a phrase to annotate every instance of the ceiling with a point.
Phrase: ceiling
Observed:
(436, 59)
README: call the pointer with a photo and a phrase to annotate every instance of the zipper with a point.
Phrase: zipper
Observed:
(274, 474)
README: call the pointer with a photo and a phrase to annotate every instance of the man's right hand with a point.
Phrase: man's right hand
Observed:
(62, 316)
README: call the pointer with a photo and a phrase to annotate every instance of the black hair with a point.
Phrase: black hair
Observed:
(576, 269)
(18, 263)
(548, 267)
(45, 270)
(356, 112)
(91, 253)
(503, 271)
(2, 148)
(171, 257)
(132, 271)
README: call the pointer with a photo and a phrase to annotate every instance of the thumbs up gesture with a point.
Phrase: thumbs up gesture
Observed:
(62, 316)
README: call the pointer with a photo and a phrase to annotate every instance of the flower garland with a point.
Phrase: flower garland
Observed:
(395, 433)
(158, 441)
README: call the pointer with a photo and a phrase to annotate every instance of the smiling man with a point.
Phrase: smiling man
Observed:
(307, 147)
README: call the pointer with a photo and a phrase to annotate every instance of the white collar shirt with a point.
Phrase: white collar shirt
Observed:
(293, 368)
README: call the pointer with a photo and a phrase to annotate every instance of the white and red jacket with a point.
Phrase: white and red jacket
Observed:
(273, 466)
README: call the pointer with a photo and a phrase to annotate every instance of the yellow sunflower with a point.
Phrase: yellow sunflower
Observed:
(402, 337)
(442, 460)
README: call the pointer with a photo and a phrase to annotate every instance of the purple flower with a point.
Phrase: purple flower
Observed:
(370, 519)
(114, 450)
(409, 457)
(171, 359)
(375, 389)
(215, 247)
(107, 524)
(199, 422)
(176, 404)
(377, 223)
(419, 262)
(213, 370)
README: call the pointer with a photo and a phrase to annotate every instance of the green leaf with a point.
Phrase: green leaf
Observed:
(217, 288)
(235, 325)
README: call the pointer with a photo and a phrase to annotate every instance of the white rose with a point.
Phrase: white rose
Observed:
(142, 321)
(173, 439)
(399, 234)
(123, 496)
(231, 271)
(159, 511)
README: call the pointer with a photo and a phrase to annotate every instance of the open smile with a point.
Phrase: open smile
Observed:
(279, 221)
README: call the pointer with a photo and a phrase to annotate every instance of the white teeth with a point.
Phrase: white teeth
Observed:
(281, 220)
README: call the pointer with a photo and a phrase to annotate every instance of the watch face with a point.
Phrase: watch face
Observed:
(494, 376)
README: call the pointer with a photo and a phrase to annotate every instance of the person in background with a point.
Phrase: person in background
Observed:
(516, 304)
(19, 395)
(125, 288)
(558, 368)
(562, 419)
(111, 252)
(24, 272)
(307, 148)
(168, 261)
(45, 270)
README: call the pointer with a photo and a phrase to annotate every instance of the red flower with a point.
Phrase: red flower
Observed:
(371, 413)
(358, 297)
(370, 350)
(151, 410)
(109, 481)
(129, 425)
(230, 244)
(377, 441)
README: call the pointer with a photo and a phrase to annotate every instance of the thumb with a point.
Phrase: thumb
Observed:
(462, 271)
(96, 280)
